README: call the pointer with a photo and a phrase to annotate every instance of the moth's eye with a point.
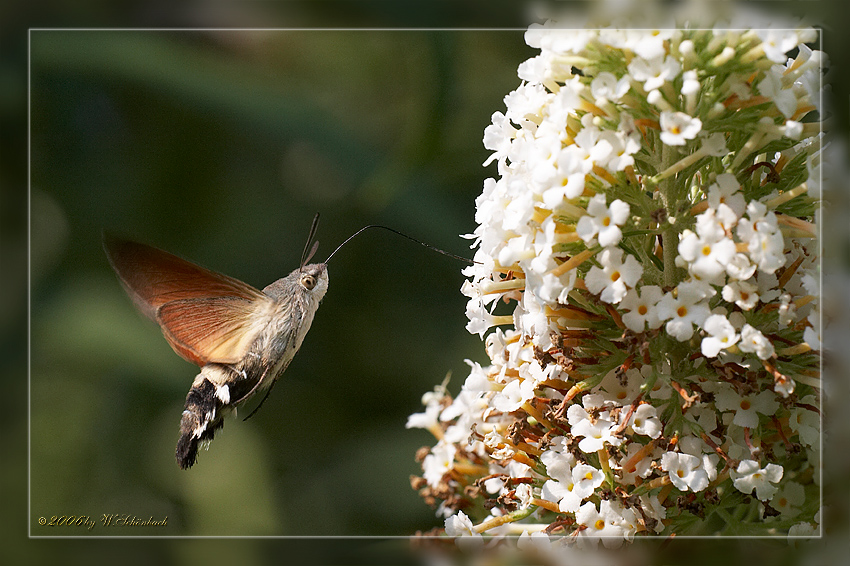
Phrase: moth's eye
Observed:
(308, 281)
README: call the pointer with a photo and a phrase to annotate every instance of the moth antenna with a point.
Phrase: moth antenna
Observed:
(305, 257)
(311, 254)
(429, 246)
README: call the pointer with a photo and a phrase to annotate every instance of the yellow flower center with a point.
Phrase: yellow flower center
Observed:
(599, 524)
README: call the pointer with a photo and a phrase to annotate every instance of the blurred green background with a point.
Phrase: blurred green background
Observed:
(220, 146)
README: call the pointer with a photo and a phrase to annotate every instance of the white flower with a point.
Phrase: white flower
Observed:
(433, 405)
(726, 190)
(784, 387)
(748, 477)
(480, 320)
(805, 423)
(811, 335)
(599, 526)
(771, 87)
(524, 493)
(721, 335)
(641, 468)
(623, 388)
(801, 530)
(715, 145)
(605, 85)
(793, 129)
(685, 471)
(438, 463)
(558, 457)
(534, 542)
(706, 254)
(595, 434)
(684, 309)
(645, 421)
(739, 267)
(760, 232)
(461, 526)
(742, 293)
(623, 145)
(568, 491)
(498, 137)
(715, 222)
(611, 280)
(655, 510)
(776, 43)
(567, 180)
(558, 41)
(752, 340)
(603, 220)
(515, 393)
(677, 127)
(653, 73)
(789, 499)
(526, 101)
(746, 406)
(641, 308)
(690, 83)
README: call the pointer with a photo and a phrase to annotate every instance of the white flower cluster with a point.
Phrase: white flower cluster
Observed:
(651, 244)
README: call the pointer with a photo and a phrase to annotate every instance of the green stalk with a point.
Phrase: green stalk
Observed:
(669, 231)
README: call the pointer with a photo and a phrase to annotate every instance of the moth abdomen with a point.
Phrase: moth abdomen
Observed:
(212, 396)
(199, 421)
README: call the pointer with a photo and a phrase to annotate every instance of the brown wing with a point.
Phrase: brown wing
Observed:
(206, 316)
(217, 329)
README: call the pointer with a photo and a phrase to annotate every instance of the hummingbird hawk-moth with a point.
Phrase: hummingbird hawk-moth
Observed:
(242, 338)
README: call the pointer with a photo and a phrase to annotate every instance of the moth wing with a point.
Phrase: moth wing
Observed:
(206, 316)
(216, 329)
(153, 277)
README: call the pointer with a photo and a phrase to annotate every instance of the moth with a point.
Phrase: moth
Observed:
(243, 339)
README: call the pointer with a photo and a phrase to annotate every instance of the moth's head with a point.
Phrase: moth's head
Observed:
(313, 278)
(310, 281)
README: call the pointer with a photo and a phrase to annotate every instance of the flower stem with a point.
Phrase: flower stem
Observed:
(686, 161)
(546, 505)
(502, 286)
(602, 454)
(509, 518)
(794, 350)
(787, 195)
(573, 262)
(629, 465)
(532, 410)
(800, 228)
(806, 380)
(669, 233)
